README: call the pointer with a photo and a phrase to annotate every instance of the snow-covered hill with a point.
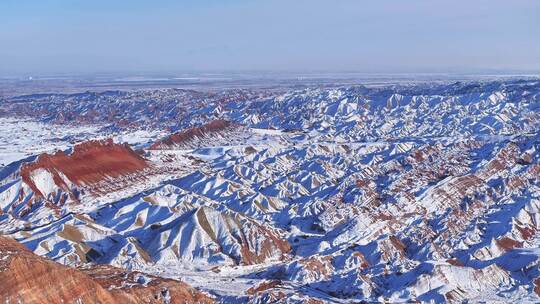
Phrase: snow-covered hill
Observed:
(427, 192)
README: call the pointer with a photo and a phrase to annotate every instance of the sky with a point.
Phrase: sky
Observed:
(49, 37)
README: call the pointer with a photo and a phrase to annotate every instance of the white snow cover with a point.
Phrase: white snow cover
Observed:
(392, 193)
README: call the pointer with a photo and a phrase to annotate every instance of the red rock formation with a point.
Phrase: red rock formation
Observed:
(90, 162)
(189, 134)
(263, 286)
(527, 232)
(537, 286)
(455, 262)
(319, 266)
(28, 278)
(392, 249)
(507, 243)
(271, 243)
(363, 261)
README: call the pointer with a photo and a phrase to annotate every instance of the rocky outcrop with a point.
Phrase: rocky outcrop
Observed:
(183, 137)
(28, 278)
(89, 163)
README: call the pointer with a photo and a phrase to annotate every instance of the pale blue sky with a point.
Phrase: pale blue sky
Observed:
(76, 36)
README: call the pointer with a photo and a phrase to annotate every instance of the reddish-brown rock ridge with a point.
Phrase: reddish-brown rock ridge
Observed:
(89, 163)
(28, 278)
(317, 266)
(508, 244)
(254, 252)
(189, 134)
(537, 286)
(265, 285)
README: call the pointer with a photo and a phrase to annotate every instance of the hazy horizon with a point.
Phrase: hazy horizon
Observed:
(53, 37)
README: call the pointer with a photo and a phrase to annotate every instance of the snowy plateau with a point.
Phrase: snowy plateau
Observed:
(396, 192)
